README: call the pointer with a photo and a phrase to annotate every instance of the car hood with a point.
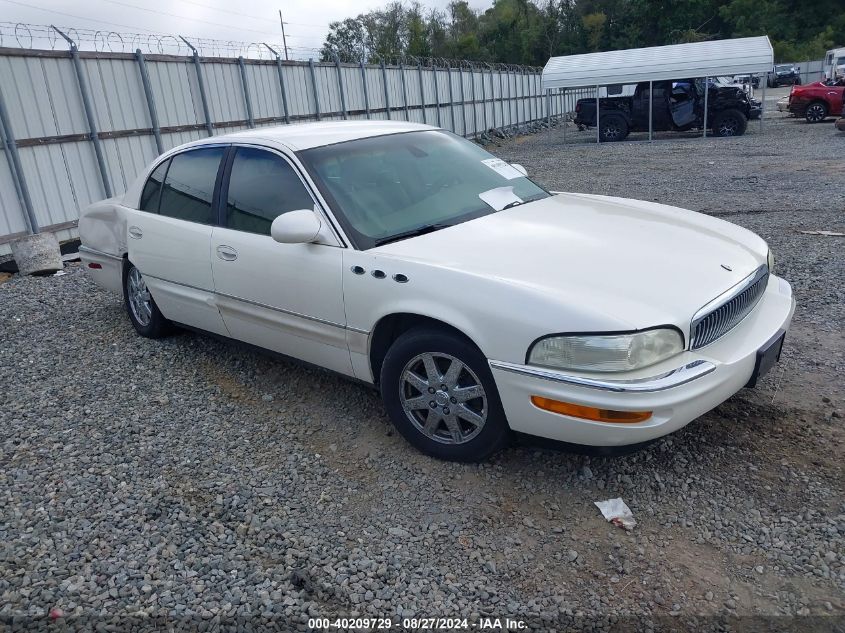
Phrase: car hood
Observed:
(639, 264)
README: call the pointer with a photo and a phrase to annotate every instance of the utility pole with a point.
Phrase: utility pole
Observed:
(284, 39)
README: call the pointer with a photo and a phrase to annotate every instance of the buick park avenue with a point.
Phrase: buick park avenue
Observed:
(477, 302)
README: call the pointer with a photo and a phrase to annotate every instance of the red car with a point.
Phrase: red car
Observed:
(816, 101)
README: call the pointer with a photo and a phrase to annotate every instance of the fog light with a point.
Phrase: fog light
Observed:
(589, 413)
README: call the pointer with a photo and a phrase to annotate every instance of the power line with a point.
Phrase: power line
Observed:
(29, 5)
(189, 19)
(246, 15)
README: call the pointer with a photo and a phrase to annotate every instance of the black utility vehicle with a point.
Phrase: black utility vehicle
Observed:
(678, 105)
(784, 75)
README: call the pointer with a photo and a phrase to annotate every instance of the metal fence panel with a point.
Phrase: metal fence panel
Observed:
(48, 117)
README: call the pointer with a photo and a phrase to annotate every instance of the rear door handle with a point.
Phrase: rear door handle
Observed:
(135, 233)
(227, 253)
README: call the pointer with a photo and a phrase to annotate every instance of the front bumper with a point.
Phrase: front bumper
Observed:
(755, 110)
(677, 391)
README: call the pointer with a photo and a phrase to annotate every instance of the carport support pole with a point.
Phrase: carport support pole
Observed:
(650, 107)
(763, 105)
(598, 117)
(706, 93)
(563, 97)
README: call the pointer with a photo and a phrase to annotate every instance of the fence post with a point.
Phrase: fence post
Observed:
(463, 99)
(484, 102)
(364, 86)
(340, 86)
(17, 170)
(422, 93)
(474, 101)
(148, 93)
(502, 96)
(386, 91)
(249, 118)
(404, 90)
(281, 81)
(314, 86)
(451, 94)
(89, 113)
(201, 84)
(436, 91)
(548, 108)
(706, 92)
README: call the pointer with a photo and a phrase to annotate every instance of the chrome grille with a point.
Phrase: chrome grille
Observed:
(724, 313)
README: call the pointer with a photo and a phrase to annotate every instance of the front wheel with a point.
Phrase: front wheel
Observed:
(146, 318)
(816, 112)
(613, 128)
(729, 123)
(440, 395)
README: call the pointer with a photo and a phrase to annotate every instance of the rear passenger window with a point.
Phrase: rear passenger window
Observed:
(262, 186)
(152, 190)
(189, 185)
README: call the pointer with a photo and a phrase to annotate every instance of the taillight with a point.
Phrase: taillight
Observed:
(95, 266)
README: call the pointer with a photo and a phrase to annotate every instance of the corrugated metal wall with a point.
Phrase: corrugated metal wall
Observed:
(47, 118)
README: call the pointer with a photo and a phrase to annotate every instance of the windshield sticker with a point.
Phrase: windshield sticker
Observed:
(502, 168)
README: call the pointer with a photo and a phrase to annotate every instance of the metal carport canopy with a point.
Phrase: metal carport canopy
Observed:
(740, 56)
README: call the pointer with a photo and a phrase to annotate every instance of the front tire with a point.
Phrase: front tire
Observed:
(729, 123)
(816, 112)
(613, 128)
(440, 395)
(144, 314)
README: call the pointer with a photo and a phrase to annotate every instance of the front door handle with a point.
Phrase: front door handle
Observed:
(135, 233)
(227, 253)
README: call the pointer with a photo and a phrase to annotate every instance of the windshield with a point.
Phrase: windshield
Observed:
(783, 69)
(385, 187)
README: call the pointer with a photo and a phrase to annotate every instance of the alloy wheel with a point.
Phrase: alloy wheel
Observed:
(728, 127)
(140, 301)
(443, 398)
(815, 113)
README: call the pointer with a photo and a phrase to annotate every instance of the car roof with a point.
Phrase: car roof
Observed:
(300, 136)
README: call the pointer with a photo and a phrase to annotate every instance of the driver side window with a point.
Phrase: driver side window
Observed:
(262, 186)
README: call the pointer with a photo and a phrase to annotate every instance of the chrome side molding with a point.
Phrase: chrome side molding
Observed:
(680, 376)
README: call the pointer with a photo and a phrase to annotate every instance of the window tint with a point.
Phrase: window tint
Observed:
(189, 185)
(262, 186)
(150, 195)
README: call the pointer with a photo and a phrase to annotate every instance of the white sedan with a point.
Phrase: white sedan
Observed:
(477, 302)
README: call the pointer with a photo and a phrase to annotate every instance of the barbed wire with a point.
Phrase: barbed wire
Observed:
(46, 37)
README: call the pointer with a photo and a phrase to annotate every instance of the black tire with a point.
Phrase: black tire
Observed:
(156, 326)
(729, 123)
(612, 128)
(482, 440)
(816, 112)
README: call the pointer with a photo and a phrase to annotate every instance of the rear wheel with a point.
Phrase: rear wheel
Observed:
(613, 128)
(146, 318)
(816, 112)
(729, 123)
(440, 395)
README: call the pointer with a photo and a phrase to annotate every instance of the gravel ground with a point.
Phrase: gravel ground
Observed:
(187, 483)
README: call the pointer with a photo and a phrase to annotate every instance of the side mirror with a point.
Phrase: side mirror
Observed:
(520, 168)
(296, 227)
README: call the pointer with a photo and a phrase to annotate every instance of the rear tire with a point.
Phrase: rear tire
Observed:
(440, 395)
(613, 128)
(729, 123)
(816, 112)
(146, 318)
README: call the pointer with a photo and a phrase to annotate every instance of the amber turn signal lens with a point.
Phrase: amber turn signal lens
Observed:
(589, 413)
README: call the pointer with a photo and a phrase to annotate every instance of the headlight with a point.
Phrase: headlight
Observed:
(770, 260)
(612, 352)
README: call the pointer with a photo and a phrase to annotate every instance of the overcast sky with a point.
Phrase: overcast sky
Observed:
(245, 20)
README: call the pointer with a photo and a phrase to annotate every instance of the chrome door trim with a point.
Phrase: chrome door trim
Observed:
(94, 251)
(680, 376)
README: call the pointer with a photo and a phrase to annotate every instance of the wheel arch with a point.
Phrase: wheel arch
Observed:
(391, 326)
